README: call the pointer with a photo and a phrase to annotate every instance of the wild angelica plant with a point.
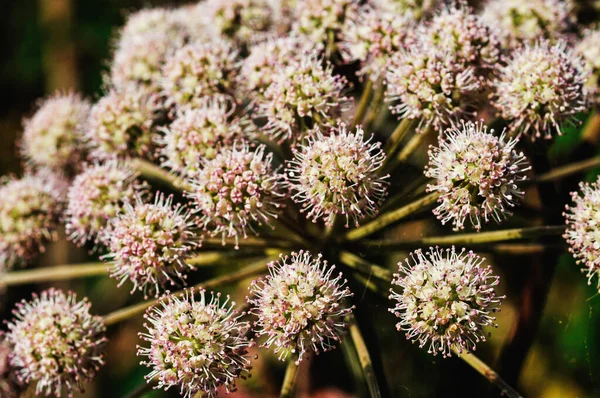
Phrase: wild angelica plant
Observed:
(246, 129)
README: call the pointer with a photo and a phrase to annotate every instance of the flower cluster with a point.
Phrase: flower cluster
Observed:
(583, 228)
(196, 343)
(540, 88)
(447, 299)
(236, 190)
(149, 244)
(9, 386)
(476, 174)
(53, 137)
(300, 306)
(97, 195)
(200, 133)
(302, 94)
(337, 174)
(121, 124)
(56, 342)
(414, 9)
(29, 212)
(590, 52)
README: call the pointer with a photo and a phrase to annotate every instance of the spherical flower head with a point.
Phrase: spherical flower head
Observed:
(323, 21)
(588, 49)
(373, 38)
(466, 35)
(527, 21)
(414, 9)
(541, 88)
(122, 125)
(196, 343)
(199, 133)
(477, 175)
(236, 190)
(447, 300)
(583, 228)
(9, 387)
(241, 21)
(97, 195)
(300, 306)
(264, 61)
(432, 86)
(29, 213)
(337, 174)
(303, 94)
(57, 343)
(155, 21)
(197, 70)
(149, 243)
(53, 137)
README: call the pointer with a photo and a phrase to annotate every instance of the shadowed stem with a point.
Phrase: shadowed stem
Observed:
(487, 372)
(248, 243)
(134, 310)
(365, 267)
(288, 381)
(395, 139)
(565, 171)
(469, 238)
(58, 273)
(375, 106)
(152, 172)
(363, 104)
(390, 217)
(142, 389)
(365, 360)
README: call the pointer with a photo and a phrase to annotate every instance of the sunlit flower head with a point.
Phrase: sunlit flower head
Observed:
(149, 244)
(122, 125)
(236, 191)
(588, 49)
(337, 175)
(301, 306)
(197, 343)
(431, 86)
(197, 134)
(53, 136)
(29, 211)
(447, 298)
(57, 344)
(97, 195)
(304, 94)
(197, 70)
(540, 89)
(478, 175)
(583, 228)
(168, 22)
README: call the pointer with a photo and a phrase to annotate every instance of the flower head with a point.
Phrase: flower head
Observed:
(303, 94)
(53, 137)
(527, 21)
(431, 85)
(414, 9)
(337, 174)
(121, 124)
(583, 228)
(56, 342)
(198, 134)
(540, 88)
(149, 244)
(9, 387)
(236, 190)
(29, 212)
(197, 70)
(588, 49)
(447, 299)
(148, 21)
(196, 343)
(300, 306)
(97, 195)
(373, 37)
(476, 174)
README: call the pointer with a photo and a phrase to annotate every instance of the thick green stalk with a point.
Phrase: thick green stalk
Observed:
(363, 104)
(365, 360)
(57, 273)
(395, 139)
(152, 172)
(565, 171)
(390, 217)
(365, 267)
(489, 373)
(289, 380)
(375, 106)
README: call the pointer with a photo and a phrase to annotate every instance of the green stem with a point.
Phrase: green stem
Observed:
(57, 273)
(390, 217)
(365, 360)
(591, 131)
(375, 106)
(396, 138)
(152, 172)
(469, 239)
(142, 389)
(248, 243)
(363, 104)
(365, 267)
(565, 171)
(491, 375)
(288, 381)
(134, 310)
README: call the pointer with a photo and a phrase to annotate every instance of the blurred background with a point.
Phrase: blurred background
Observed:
(49, 45)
